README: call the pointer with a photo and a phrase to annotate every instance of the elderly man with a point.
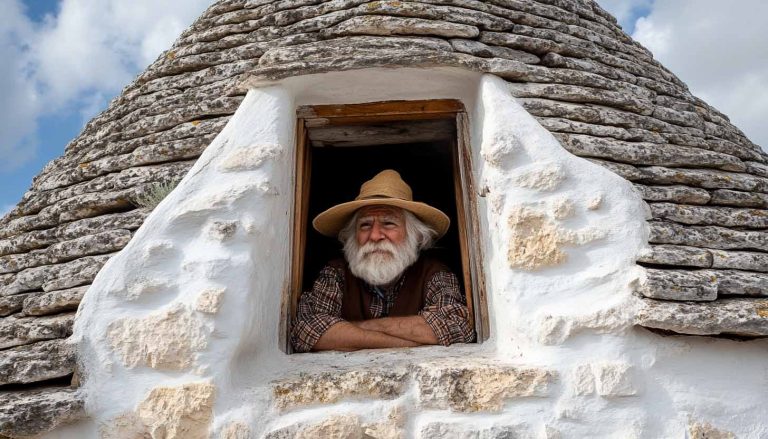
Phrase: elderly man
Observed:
(384, 293)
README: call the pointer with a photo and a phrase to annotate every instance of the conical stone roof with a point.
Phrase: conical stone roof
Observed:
(602, 95)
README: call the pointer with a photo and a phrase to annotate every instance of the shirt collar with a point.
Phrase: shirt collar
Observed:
(386, 292)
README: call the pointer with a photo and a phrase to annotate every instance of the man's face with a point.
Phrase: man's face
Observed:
(380, 251)
(380, 223)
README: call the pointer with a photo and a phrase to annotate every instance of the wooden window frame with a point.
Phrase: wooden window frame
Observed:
(464, 185)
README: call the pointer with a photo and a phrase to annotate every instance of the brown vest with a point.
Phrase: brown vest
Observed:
(356, 301)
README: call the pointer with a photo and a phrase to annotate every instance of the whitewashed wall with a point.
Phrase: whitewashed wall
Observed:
(178, 336)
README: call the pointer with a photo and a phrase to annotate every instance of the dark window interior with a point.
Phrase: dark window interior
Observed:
(338, 171)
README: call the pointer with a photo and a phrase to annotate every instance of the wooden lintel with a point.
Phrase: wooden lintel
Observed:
(383, 110)
(389, 133)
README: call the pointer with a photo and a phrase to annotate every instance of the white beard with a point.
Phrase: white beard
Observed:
(382, 262)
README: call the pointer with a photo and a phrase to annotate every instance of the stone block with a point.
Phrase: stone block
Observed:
(711, 237)
(544, 177)
(336, 427)
(742, 316)
(705, 430)
(236, 430)
(753, 261)
(54, 301)
(180, 412)
(351, 46)
(471, 386)
(556, 329)
(614, 379)
(331, 387)
(583, 379)
(221, 230)
(393, 427)
(711, 215)
(12, 304)
(445, 13)
(209, 301)
(33, 412)
(741, 283)
(642, 153)
(445, 430)
(729, 197)
(37, 362)
(700, 285)
(678, 255)
(674, 193)
(100, 243)
(477, 48)
(17, 331)
(537, 241)
(249, 158)
(57, 277)
(384, 25)
(703, 178)
(167, 339)
(590, 95)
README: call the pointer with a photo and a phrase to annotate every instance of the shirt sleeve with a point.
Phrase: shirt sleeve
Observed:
(319, 309)
(445, 310)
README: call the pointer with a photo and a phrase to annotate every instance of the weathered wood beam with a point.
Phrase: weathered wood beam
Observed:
(392, 133)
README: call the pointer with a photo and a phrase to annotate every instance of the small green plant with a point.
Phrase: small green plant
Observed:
(154, 194)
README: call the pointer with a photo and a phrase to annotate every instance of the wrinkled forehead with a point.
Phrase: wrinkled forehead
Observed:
(380, 211)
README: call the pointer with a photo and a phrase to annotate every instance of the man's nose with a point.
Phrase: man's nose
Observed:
(377, 233)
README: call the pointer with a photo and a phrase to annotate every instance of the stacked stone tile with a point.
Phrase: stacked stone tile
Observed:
(567, 61)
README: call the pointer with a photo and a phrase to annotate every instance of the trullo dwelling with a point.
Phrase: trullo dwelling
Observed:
(610, 230)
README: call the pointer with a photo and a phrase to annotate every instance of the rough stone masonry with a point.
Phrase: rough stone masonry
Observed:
(568, 64)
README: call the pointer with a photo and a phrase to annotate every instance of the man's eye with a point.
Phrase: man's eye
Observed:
(365, 226)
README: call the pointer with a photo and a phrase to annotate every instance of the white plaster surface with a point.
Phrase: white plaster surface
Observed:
(226, 228)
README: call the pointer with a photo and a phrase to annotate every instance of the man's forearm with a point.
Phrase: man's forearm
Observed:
(344, 336)
(413, 328)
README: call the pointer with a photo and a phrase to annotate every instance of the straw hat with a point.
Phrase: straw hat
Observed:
(386, 188)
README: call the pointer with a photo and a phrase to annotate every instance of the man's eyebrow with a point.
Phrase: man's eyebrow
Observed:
(384, 217)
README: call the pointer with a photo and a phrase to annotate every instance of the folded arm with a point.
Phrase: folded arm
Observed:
(345, 336)
(412, 328)
(445, 310)
(319, 325)
(444, 319)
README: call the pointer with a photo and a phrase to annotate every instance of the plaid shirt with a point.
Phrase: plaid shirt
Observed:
(445, 309)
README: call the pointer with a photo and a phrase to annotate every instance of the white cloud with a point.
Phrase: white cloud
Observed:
(719, 49)
(625, 11)
(77, 59)
(18, 99)
(98, 46)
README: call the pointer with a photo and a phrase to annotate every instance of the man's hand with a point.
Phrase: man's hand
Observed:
(413, 328)
(345, 336)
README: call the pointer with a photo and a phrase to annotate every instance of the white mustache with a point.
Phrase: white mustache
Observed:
(371, 248)
(379, 262)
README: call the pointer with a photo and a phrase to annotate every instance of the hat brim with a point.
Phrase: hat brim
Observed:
(330, 222)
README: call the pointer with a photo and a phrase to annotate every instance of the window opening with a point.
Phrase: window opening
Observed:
(341, 146)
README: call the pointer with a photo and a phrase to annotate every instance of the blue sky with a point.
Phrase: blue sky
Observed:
(65, 59)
